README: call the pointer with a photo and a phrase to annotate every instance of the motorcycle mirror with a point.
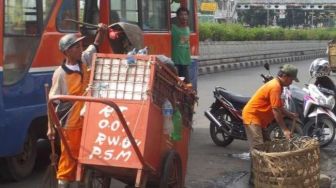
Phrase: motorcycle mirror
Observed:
(266, 66)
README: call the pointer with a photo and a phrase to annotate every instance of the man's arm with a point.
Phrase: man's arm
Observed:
(289, 114)
(278, 115)
(93, 48)
(101, 33)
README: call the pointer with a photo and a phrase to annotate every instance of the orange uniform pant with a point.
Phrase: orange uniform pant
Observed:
(67, 166)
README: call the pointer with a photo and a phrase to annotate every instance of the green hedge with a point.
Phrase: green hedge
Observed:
(237, 32)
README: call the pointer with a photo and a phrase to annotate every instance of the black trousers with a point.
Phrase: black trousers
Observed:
(183, 71)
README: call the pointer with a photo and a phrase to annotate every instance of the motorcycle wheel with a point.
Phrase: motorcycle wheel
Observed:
(324, 130)
(218, 136)
(275, 132)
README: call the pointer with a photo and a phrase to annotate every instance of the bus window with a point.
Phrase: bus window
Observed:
(124, 10)
(191, 5)
(68, 11)
(22, 26)
(154, 15)
(89, 11)
(47, 6)
(21, 18)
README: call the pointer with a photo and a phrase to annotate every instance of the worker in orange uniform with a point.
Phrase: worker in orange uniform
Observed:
(265, 106)
(72, 78)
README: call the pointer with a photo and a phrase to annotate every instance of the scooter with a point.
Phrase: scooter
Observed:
(315, 105)
(225, 115)
(319, 118)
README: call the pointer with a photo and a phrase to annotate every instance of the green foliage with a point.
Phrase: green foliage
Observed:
(237, 32)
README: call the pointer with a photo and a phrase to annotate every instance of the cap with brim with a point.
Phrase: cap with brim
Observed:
(68, 41)
(79, 39)
(290, 70)
(76, 41)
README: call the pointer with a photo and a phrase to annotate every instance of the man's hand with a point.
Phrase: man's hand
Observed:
(294, 115)
(101, 32)
(102, 27)
(287, 134)
(51, 133)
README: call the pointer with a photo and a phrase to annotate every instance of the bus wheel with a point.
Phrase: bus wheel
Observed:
(21, 165)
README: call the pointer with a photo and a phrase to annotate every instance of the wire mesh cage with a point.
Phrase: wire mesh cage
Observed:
(287, 164)
(145, 78)
(115, 78)
(168, 86)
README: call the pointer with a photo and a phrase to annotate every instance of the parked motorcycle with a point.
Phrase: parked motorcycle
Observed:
(315, 104)
(320, 123)
(225, 115)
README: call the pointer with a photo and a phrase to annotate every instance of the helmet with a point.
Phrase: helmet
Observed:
(319, 67)
(68, 40)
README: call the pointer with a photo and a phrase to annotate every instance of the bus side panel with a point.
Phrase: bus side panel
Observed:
(158, 43)
(2, 127)
(47, 53)
(23, 102)
(27, 92)
(1, 40)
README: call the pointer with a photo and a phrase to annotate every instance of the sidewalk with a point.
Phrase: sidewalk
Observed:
(219, 65)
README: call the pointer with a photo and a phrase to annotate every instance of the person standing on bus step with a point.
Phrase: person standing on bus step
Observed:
(265, 106)
(72, 78)
(181, 44)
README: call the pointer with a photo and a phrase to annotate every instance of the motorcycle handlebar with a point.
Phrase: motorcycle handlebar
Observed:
(266, 78)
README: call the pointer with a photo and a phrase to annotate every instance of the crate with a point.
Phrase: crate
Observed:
(287, 164)
(332, 55)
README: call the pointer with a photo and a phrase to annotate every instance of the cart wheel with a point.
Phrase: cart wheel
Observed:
(96, 179)
(171, 176)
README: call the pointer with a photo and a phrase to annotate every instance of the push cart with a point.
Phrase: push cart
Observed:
(332, 55)
(123, 135)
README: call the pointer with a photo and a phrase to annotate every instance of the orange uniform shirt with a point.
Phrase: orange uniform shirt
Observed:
(258, 110)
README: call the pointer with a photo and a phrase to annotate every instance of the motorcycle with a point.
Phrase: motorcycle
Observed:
(319, 118)
(315, 105)
(225, 115)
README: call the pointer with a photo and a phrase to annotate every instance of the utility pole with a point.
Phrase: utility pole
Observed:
(268, 16)
(293, 18)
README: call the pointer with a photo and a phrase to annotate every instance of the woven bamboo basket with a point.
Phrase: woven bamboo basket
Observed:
(287, 164)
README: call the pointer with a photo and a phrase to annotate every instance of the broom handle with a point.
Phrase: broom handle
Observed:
(52, 140)
(293, 125)
(84, 23)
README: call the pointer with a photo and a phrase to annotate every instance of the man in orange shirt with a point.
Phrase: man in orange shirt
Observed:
(266, 105)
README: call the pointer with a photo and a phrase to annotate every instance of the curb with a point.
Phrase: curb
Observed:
(209, 69)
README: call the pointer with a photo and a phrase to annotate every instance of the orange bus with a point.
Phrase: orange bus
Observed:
(30, 31)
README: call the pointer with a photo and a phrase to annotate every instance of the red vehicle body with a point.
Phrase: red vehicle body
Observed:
(30, 31)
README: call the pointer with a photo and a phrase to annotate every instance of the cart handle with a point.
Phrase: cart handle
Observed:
(55, 119)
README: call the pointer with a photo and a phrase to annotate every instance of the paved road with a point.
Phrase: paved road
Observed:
(211, 166)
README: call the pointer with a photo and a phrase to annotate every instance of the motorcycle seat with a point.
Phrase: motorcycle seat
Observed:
(237, 100)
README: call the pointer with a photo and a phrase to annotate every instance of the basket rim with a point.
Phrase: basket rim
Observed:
(286, 153)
